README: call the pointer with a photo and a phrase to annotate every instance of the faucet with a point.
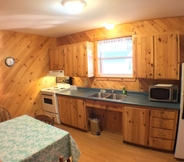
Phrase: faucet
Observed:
(102, 91)
(112, 90)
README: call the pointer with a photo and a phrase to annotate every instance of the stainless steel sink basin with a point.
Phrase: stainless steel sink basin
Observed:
(112, 96)
(115, 96)
(100, 95)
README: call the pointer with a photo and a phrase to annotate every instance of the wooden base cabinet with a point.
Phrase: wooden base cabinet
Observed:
(163, 124)
(152, 127)
(146, 126)
(72, 112)
(64, 110)
(136, 125)
(78, 114)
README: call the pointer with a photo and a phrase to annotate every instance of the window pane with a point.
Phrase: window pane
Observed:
(115, 56)
(117, 66)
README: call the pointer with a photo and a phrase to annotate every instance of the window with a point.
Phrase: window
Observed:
(115, 57)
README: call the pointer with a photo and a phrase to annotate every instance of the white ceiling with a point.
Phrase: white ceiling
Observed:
(49, 18)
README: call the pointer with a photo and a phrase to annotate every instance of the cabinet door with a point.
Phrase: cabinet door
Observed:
(74, 112)
(64, 110)
(56, 59)
(69, 60)
(78, 59)
(78, 113)
(136, 125)
(143, 51)
(81, 114)
(90, 59)
(83, 56)
(166, 56)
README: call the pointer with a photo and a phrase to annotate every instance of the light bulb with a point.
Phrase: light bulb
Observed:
(109, 26)
(74, 6)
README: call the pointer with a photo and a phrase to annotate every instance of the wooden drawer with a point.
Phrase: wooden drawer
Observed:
(163, 114)
(162, 123)
(161, 143)
(161, 133)
(89, 103)
(96, 104)
(114, 108)
(104, 105)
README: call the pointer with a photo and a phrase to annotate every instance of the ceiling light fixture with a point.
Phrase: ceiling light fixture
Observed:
(74, 6)
(109, 26)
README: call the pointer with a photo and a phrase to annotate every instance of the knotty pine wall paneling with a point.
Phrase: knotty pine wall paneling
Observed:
(153, 26)
(20, 84)
(109, 120)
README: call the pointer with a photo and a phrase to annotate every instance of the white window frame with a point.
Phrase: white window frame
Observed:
(99, 63)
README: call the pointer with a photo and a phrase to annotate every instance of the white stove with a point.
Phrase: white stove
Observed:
(49, 100)
(58, 88)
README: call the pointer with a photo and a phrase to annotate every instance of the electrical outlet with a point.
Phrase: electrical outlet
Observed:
(85, 82)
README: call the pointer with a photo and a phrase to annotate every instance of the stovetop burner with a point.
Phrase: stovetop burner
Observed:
(57, 88)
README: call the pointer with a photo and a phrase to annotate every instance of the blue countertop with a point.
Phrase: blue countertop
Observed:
(133, 97)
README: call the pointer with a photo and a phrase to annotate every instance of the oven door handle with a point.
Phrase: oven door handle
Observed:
(46, 94)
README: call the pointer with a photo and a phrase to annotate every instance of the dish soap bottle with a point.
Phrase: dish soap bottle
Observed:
(124, 91)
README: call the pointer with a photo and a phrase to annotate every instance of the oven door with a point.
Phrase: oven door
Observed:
(49, 103)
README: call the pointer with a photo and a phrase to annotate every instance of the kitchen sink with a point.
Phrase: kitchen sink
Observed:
(100, 95)
(111, 96)
(115, 96)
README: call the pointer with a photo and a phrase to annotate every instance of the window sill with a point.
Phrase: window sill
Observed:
(120, 79)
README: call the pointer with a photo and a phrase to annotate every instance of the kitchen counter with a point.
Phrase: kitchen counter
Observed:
(133, 97)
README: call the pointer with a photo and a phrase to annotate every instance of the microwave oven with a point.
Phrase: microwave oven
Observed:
(163, 93)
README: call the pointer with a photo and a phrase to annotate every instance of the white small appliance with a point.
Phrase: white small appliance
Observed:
(56, 73)
(163, 92)
(179, 151)
(49, 98)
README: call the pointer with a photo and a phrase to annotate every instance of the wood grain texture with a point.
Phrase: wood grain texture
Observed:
(143, 50)
(163, 126)
(166, 50)
(108, 147)
(153, 26)
(136, 125)
(20, 84)
(110, 115)
(56, 58)
(77, 59)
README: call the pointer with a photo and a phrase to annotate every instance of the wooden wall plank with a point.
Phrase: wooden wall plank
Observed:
(153, 26)
(20, 85)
